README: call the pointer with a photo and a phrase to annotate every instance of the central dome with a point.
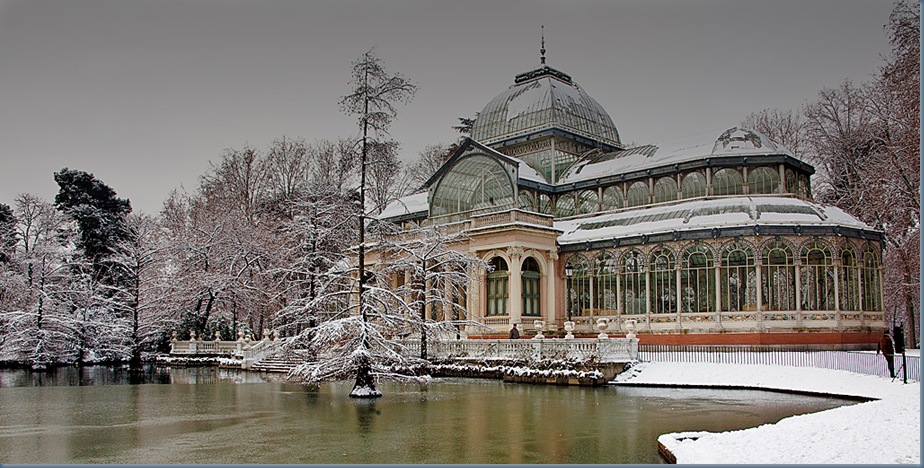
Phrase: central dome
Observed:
(542, 99)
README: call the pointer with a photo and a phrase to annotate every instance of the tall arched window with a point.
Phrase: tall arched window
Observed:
(850, 279)
(605, 277)
(872, 289)
(527, 201)
(763, 180)
(579, 286)
(545, 204)
(587, 202)
(531, 288)
(697, 280)
(792, 182)
(727, 182)
(738, 278)
(474, 182)
(817, 277)
(665, 190)
(634, 292)
(565, 205)
(805, 188)
(778, 275)
(498, 281)
(612, 198)
(693, 185)
(663, 282)
(637, 194)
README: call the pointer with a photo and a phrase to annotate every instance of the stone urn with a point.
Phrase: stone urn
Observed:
(173, 337)
(192, 336)
(265, 334)
(602, 323)
(217, 335)
(630, 328)
(240, 335)
(569, 329)
(540, 325)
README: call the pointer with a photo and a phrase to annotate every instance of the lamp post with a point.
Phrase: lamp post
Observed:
(569, 325)
(569, 271)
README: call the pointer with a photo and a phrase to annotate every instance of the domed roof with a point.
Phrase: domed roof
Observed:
(742, 140)
(541, 99)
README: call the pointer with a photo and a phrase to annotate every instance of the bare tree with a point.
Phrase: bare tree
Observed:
(439, 271)
(238, 181)
(430, 160)
(373, 97)
(784, 127)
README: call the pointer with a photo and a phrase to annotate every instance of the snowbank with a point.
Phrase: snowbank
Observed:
(887, 430)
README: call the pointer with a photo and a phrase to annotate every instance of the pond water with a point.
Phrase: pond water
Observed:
(210, 415)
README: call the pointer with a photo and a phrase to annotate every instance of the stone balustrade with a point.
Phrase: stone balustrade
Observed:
(601, 350)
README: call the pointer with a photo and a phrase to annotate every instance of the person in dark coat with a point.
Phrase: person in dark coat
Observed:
(514, 333)
(887, 350)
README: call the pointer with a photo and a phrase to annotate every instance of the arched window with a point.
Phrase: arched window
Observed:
(605, 277)
(498, 281)
(587, 202)
(474, 182)
(792, 182)
(531, 287)
(612, 198)
(817, 277)
(778, 275)
(665, 190)
(565, 205)
(872, 290)
(850, 279)
(579, 286)
(697, 280)
(663, 282)
(527, 201)
(763, 180)
(805, 188)
(637, 194)
(545, 204)
(727, 182)
(693, 185)
(634, 289)
(738, 278)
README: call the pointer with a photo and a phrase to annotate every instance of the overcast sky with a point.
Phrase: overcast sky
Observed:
(144, 93)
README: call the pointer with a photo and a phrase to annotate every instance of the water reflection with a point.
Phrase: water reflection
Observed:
(224, 416)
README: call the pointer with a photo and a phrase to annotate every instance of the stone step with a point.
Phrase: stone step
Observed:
(282, 364)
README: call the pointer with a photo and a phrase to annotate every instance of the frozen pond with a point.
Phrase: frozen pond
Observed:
(209, 415)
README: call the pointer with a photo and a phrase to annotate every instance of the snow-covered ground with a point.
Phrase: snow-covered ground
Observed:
(884, 431)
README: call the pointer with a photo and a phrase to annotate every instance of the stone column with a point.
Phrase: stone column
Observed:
(553, 314)
(515, 285)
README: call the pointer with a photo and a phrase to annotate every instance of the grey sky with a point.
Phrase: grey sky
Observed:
(144, 93)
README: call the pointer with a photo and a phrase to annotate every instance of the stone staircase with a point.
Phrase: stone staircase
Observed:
(277, 363)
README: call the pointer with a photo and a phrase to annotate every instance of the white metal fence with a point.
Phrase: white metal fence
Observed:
(862, 362)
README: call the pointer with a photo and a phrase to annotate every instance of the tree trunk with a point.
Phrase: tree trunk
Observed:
(365, 382)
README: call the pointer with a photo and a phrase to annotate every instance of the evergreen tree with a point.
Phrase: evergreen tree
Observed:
(99, 214)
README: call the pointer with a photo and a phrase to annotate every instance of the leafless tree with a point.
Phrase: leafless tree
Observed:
(372, 99)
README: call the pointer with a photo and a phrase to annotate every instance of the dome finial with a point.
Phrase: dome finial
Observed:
(542, 50)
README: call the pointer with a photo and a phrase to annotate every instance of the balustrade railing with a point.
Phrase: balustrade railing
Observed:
(605, 350)
(862, 362)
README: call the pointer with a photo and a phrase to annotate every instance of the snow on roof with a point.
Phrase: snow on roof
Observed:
(704, 214)
(411, 204)
(732, 142)
(527, 172)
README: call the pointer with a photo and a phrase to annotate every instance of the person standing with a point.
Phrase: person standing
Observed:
(887, 350)
(514, 333)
